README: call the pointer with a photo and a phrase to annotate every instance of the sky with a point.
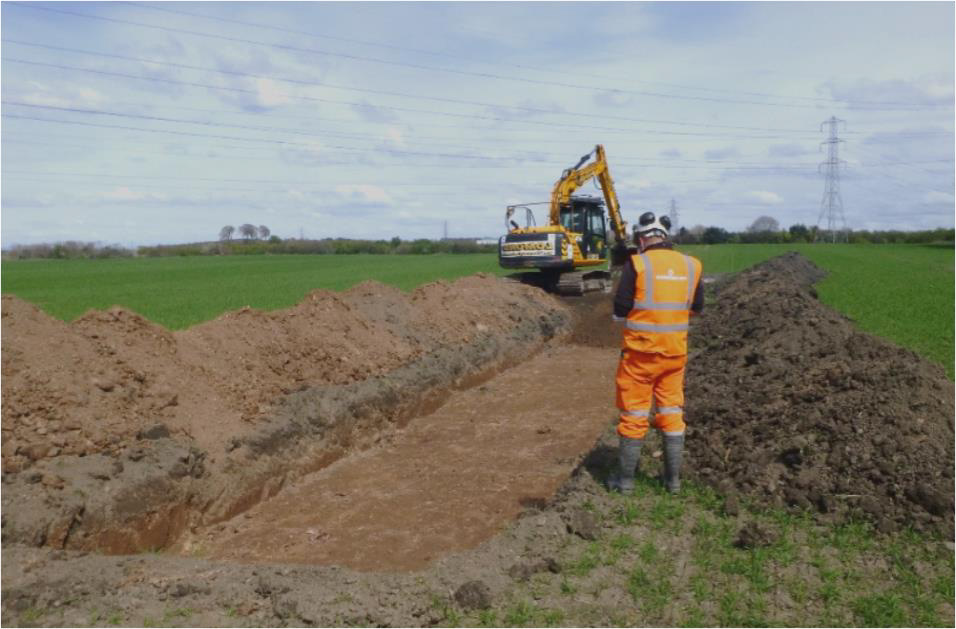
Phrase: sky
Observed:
(146, 123)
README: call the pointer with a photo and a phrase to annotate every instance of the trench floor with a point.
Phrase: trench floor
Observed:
(445, 483)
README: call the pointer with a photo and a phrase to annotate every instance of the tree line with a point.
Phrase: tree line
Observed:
(767, 230)
(247, 231)
(256, 240)
(325, 246)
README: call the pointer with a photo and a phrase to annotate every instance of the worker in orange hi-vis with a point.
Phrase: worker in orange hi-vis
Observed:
(658, 291)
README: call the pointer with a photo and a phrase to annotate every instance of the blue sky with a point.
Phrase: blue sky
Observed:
(142, 123)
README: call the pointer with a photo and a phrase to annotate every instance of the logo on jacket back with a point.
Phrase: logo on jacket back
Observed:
(670, 276)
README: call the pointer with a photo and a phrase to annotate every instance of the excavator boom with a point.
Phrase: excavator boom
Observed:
(576, 176)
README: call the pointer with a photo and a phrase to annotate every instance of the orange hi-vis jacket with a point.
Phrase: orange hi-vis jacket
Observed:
(666, 283)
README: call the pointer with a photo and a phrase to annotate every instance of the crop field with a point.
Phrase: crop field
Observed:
(180, 292)
(901, 292)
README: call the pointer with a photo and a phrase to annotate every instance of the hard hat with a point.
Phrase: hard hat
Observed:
(651, 225)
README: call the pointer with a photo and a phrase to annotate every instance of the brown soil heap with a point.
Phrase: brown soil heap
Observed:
(118, 435)
(93, 385)
(789, 403)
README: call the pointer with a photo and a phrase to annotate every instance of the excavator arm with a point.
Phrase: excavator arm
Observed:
(575, 177)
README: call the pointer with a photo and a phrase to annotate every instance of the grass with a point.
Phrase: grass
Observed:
(811, 575)
(180, 292)
(900, 292)
(32, 614)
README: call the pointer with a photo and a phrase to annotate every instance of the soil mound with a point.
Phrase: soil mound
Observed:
(93, 385)
(789, 404)
(118, 435)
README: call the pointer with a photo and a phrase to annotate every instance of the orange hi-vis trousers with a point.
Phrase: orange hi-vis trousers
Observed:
(642, 377)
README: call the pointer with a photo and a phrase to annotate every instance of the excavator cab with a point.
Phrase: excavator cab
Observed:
(586, 216)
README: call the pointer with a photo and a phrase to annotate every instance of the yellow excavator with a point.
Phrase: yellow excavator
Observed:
(571, 252)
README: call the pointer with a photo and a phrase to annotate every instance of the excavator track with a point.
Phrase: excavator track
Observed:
(579, 282)
(569, 283)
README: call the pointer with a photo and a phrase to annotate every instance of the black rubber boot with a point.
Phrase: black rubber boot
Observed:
(673, 451)
(628, 458)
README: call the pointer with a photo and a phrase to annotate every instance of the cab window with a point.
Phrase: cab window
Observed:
(596, 219)
(573, 219)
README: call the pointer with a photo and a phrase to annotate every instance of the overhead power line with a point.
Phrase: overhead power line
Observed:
(209, 123)
(651, 162)
(337, 148)
(383, 107)
(390, 62)
(456, 101)
(623, 160)
(138, 149)
(392, 108)
(563, 71)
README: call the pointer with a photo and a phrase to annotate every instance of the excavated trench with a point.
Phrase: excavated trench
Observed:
(447, 482)
(382, 431)
(436, 401)
(359, 457)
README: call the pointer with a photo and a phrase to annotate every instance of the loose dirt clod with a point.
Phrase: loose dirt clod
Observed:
(584, 524)
(473, 595)
(793, 406)
(753, 535)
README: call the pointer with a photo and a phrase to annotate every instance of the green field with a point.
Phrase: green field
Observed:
(180, 292)
(901, 292)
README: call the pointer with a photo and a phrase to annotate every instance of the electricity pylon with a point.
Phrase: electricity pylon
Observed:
(832, 205)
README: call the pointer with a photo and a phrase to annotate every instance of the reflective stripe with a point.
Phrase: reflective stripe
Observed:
(652, 305)
(648, 303)
(690, 281)
(657, 327)
(672, 434)
(669, 410)
(636, 413)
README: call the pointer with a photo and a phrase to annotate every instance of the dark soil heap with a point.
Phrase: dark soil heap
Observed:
(789, 403)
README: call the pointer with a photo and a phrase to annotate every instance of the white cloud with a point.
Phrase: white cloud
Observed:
(371, 113)
(614, 98)
(722, 153)
(865, 93)
(363, 193)
(935, 196)
(637, 185)
(764, 197)
(394, 137)
(790, 149)
(61, 95)
(269, 94)
(124, 193)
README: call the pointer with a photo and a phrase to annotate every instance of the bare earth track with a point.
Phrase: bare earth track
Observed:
(341, 461)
